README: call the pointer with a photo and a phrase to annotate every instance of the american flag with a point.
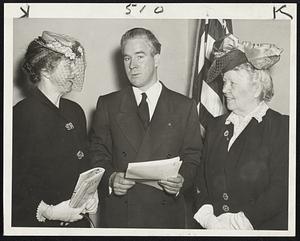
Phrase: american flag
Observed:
(208, 96)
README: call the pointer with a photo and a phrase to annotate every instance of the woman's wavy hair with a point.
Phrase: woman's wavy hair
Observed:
(37, 58)
(260, 76)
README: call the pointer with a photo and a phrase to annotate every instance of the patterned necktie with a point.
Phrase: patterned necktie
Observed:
(144, 111)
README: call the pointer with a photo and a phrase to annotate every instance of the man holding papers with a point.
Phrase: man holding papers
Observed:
(141, 123)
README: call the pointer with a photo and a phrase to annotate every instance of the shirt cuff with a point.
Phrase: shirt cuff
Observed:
(110, 190)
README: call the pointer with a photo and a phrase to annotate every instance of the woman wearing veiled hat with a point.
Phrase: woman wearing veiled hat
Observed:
(243, 181)
(49, 136)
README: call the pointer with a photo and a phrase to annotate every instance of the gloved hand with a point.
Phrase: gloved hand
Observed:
(229, 221)
(91, 205)
(205, 216)
(63, 212)
(235, 221)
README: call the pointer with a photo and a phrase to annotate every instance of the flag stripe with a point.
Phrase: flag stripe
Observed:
(204, 116)
(209, 96)
(216, 85)
(209, 46)
(216, 29)
(202, 53)
(211, 100)
(199, 79)
(196, 60)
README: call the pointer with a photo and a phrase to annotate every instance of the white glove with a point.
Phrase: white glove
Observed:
(229, 221)
(235, 221)
(205, 216)
(91, 205)
(63, 212)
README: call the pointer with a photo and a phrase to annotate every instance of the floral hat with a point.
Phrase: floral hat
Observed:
(71, 49)
(229, 52)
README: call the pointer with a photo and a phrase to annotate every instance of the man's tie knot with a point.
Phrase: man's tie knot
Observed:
(144, 97)
(144, 110)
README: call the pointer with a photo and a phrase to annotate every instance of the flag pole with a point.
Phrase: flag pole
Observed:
(195, 61)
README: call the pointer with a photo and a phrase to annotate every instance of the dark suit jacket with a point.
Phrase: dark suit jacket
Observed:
(118, 137)
(45, 160)
(253, 176)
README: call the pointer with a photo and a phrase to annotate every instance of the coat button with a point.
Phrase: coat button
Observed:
(69, 126)
(225, 196)
(225, 208)
(169, 155)
(80, 155)
(226, 133)
(124, 154)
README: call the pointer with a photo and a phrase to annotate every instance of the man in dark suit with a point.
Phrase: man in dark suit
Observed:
(143, 122)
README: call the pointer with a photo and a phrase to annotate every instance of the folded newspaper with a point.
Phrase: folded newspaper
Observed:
(86, 186)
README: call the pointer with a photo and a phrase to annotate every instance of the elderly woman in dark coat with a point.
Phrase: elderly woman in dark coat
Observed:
(244, 177)
(49, 136)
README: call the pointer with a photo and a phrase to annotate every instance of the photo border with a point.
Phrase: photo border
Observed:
(171, 11)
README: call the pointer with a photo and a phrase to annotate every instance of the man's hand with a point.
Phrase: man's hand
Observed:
(120, 184)
(173, 184)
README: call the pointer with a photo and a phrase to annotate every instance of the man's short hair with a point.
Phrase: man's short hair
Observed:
(142, 33)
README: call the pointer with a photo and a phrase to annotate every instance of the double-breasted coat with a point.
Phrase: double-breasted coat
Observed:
(50, 149)
(252, 176)
(118, 137)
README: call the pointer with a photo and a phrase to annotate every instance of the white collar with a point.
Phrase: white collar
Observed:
(258, 113)
(152, 93)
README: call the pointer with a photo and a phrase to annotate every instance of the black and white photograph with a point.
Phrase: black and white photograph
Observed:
(149, 119)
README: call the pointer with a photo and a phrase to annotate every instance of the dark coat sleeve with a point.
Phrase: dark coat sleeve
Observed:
(202, 196)
(27, 187)
(191, 149)
(101, 142)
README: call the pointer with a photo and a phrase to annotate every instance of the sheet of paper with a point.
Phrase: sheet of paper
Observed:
(154, 170)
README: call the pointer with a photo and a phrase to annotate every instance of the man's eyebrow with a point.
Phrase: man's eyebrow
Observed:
(140, 52)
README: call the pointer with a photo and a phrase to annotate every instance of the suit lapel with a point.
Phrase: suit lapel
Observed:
(129, 120)
(162, 121)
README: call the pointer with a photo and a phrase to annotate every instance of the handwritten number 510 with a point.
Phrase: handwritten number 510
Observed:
(131, 6)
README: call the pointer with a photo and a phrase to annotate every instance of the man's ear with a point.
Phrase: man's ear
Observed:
(156, 60)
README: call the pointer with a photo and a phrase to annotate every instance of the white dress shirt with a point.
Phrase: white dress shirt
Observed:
(152, 93)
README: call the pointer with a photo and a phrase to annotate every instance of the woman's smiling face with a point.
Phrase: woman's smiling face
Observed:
(240, 91)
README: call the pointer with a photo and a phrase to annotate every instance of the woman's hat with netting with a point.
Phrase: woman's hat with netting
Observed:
(71, 49)
(229, 52)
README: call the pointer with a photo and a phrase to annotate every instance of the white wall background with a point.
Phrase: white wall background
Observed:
(105, 74)
(101, 40)
(278, 33)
